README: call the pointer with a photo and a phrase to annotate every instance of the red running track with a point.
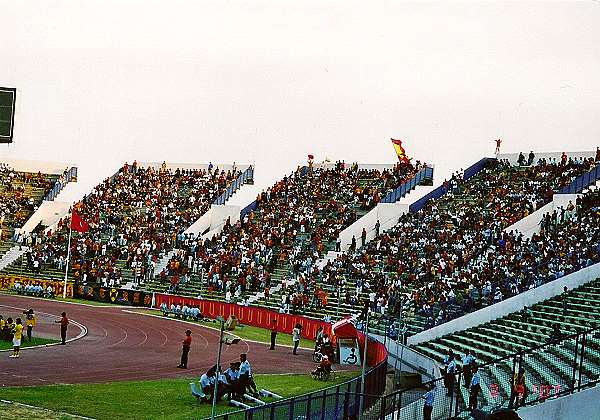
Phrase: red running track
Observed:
(126, 346)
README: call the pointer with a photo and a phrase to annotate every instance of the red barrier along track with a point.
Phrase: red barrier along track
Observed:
(248, 315)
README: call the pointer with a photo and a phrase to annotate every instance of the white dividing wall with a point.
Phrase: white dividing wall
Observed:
(579, 406)
(531, 224)
(214, 220)
(513, 157)
(48, 214)
(509, 305)
(386, 213)
(406, 359)
(45, 167)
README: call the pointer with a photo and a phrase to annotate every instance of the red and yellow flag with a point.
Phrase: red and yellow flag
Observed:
(400, 151)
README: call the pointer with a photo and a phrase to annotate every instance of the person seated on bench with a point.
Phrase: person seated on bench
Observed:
(232, 375)
(49, 292)
(18, 287)
(245, 375)
(207, 382)
(173, 309)
(164, 309)
(185, 311)
(178, 311)
(196, 313)
(323, 368)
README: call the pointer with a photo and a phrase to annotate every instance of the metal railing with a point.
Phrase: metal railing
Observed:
(582, 182)
(60, 184)
(424, 174)
(243, 178)
(550, 370)
(335, 402)
(441, 190)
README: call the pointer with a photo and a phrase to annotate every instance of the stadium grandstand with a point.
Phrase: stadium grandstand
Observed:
(494, 268)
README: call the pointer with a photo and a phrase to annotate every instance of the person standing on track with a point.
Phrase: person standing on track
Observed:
(296, 337)
(273, 333)
(29, 322)
(17, 338)
(64, 323)
(187, 343)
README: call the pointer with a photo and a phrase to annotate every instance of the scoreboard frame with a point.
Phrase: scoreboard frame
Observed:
(8, 137)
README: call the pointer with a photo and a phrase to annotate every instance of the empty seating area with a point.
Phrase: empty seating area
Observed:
(552, 365)
(134, 217)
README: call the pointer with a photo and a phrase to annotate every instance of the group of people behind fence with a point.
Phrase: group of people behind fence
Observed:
(236, 381)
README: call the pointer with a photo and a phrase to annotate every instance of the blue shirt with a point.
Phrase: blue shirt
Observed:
(475, 379)
(245, 368)
(232, 375)
(205, 380)
(451, 366)
(429, 398)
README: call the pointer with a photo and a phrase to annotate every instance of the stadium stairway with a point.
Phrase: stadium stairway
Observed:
(10, 254)
(513, 333)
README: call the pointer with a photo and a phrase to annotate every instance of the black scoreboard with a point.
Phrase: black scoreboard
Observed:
(7, 113)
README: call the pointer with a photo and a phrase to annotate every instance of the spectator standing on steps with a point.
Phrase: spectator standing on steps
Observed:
(273, 333)
(377, 227)
(474, 388)
(186, 344)
(64, 323)
(428, 406)
(296, 337)
(363, 237)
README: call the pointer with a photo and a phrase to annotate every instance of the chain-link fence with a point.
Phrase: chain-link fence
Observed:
(529, 377)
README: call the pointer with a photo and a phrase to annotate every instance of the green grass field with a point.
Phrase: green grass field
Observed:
(24, 343)
(246, 332)
(19, 412)
(160, 399)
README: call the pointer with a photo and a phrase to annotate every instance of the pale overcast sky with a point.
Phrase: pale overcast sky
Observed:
(102, 82)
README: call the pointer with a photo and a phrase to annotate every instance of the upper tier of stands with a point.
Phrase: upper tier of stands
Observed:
(294, 223)
(446, 259)
(134, 216)
(21, 193)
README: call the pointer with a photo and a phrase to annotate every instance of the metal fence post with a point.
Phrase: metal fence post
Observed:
(575, 363)
(323, 405)
(581, 357)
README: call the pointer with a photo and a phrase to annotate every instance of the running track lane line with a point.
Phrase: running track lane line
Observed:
(82, 333)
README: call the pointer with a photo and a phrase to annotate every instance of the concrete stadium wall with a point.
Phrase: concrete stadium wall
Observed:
(579, 406)
(386, 213)
(509, 305)
(531, 224)
(408, 359)
(512, 157)
(48, 214)
(214, 220)
(45, 167)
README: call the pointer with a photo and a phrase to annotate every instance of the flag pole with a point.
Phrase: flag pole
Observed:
(68, 255)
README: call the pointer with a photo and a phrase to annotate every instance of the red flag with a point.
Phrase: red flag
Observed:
(400, 151)
(78, 224)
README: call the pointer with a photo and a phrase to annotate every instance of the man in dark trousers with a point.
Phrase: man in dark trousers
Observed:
(273, 333)
(64, 323)
(187, 343)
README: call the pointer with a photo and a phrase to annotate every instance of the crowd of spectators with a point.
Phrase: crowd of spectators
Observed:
(133, 216)
(294, 222)
(454, 256)
(16, 201)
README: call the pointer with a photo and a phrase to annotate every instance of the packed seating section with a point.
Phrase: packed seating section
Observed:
(296, 220)
(134, 217)
(21, 193)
